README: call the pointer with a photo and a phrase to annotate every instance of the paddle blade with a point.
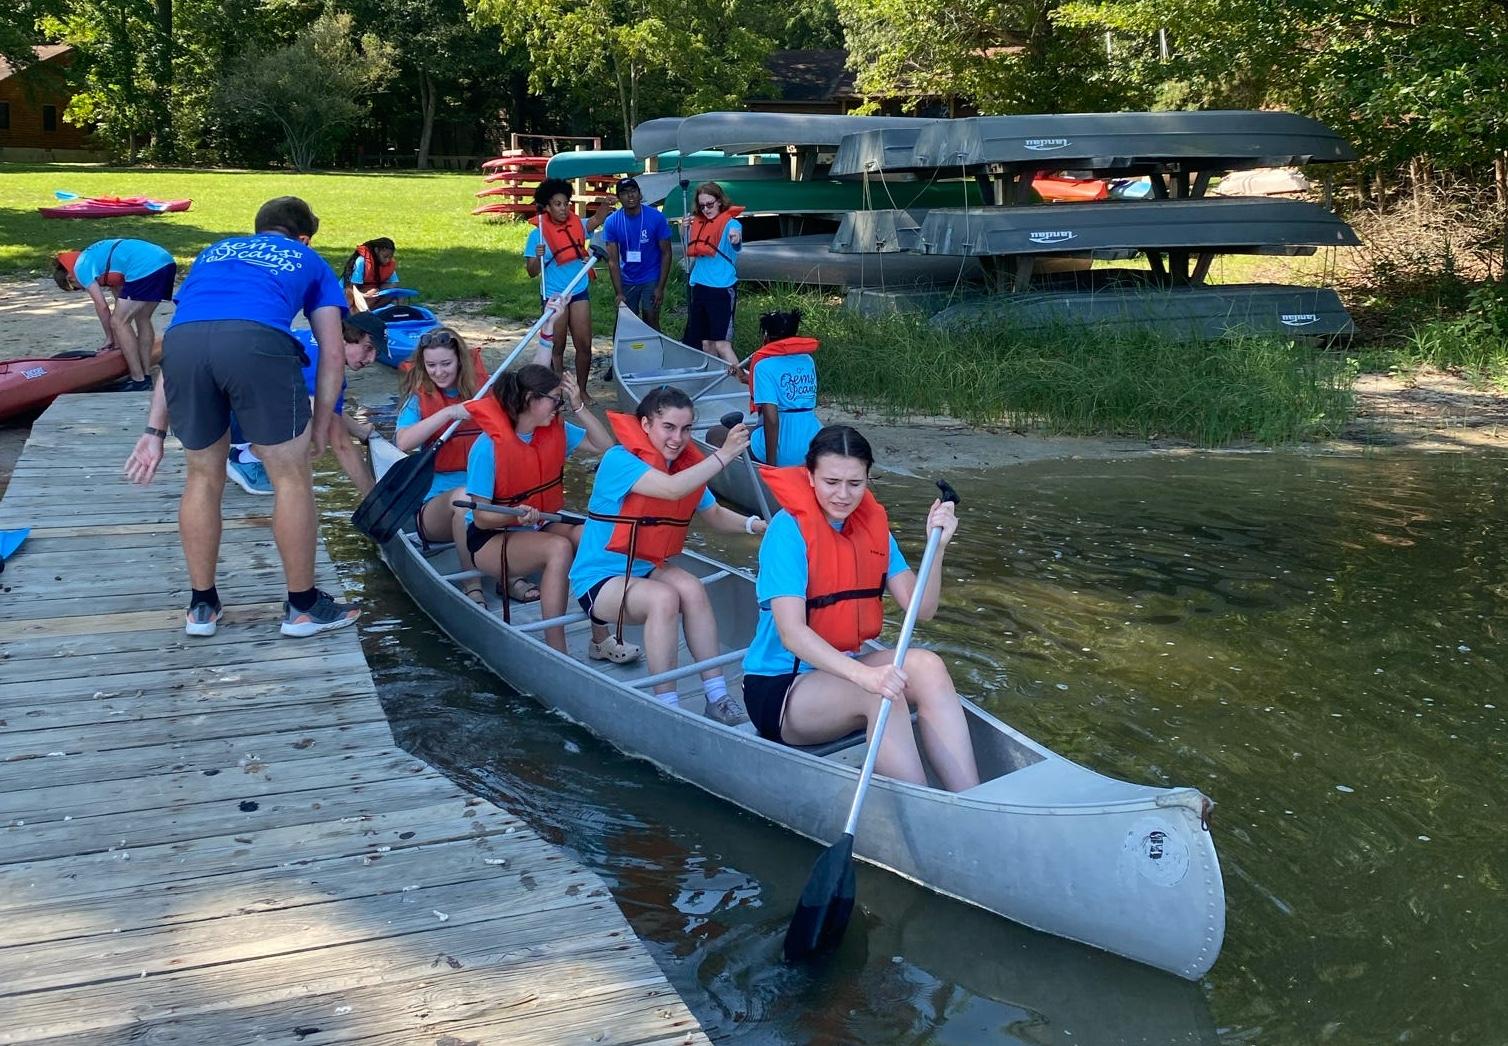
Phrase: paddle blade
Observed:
(396, 497)
(64, 194)
(826, 903)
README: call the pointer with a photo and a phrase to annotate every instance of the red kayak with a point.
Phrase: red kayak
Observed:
(112, 207)
(1070, 190)
(28, 386)
(513, 163)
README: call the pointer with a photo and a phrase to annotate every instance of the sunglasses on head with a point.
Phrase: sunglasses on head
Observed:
(436, 339)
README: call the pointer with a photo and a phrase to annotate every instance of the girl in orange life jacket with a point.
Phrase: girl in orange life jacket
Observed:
(368, 272)
(433, 395)
(715, 240)
(556, 248)
(824, 566)
(643, 497)
(519, 461)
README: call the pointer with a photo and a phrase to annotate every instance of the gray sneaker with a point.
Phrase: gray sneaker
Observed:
(727, 711)
(201, 620)
(326, 615)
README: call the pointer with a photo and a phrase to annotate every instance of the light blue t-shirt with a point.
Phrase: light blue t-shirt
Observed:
(359, 274)
(410, 414)
(642, 233)
(719, 270)
(481, 462)
(266, 279)
(789, 384)
(133, 259)
(782, 572)
(555, 274)
(617, 473)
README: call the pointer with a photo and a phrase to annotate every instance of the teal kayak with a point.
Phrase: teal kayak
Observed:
(600, 163)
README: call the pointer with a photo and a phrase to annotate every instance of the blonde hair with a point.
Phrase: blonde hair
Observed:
(416, 380)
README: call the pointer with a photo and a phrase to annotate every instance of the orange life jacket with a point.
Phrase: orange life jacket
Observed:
(650, 528)
(383, 272)
(707, 235)
(783, 347)
(524, 473)
(566, 241)
(454, 451)
(845, 568)
(114, 280)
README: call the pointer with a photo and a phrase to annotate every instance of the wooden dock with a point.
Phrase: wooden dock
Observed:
(217, 841)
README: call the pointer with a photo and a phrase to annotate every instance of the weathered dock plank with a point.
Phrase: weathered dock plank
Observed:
(218, 841)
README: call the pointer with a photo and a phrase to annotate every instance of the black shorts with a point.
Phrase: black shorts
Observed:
(213, 367)
(590, 598)
(764, 697)
(710, 315)
(154, 286)
(477, 538)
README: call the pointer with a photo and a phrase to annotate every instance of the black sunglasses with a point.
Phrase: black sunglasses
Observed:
(440, 338)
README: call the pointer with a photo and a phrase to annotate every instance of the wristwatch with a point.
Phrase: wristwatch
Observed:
(152, 431)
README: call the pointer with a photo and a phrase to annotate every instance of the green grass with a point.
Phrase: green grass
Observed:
(1072, 381)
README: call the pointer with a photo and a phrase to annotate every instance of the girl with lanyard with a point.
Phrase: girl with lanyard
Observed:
(825, 564)
(643, 497)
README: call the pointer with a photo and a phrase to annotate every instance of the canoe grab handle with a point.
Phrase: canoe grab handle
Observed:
(571, 518)
(692, 669)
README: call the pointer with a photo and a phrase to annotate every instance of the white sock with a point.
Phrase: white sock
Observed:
(669, 697)
(717, 689)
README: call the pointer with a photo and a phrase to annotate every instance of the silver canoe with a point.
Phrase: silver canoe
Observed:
(1042, 841)
(762, 132)
(643, 359)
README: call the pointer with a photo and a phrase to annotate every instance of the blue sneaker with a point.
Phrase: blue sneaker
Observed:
(250, 476)
(324, 616)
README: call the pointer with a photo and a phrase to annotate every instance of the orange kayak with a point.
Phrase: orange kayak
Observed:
(28, 386)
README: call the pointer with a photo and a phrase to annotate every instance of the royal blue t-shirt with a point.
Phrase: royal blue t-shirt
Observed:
(133, 259)
(789, 384)
(782, 572)
(617, 473)
(265, 278)
(639, 234)
(481, 463)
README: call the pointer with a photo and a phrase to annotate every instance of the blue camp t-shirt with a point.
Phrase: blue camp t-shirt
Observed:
(556, 275)
(410, 414)
(789, 384)
(305, 338)
(266, 278)
(481, 464)
(133, 259)
(617, 473)
(782, 572)
(718, 270)
(642, 234)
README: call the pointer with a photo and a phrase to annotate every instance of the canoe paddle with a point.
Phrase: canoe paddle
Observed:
(736, 417)
(574, 519)
(398, 495)
(827, 901)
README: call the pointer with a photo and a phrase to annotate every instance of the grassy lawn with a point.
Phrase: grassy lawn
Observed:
(443, 251)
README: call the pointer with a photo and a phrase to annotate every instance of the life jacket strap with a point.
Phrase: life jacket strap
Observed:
(524, 495)
(834, 598)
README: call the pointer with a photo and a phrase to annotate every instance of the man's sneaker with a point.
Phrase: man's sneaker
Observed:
(201, 619)
(250, 476)
(727, 711)
(324, 616)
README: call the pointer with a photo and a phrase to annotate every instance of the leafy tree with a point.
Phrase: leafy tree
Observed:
(20, 22)
(311, 92)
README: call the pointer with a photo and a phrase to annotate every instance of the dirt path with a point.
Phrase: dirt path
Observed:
(1432, 411)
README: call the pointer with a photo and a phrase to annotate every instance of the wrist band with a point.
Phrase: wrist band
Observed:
(749, 524)
(159, 433)
(720, 462)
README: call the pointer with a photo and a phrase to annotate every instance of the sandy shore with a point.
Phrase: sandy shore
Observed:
(1431, 411)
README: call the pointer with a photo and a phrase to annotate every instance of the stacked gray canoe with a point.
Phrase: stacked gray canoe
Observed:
(1179, 231)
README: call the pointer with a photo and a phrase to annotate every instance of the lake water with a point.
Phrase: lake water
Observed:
(1315, 642)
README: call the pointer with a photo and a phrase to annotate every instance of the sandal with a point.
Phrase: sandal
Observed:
(612, 650)
(473, 591)
(521, 590)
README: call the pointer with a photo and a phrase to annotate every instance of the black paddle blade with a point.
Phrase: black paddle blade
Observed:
(733, 417)
(826, 903)
(396, 497)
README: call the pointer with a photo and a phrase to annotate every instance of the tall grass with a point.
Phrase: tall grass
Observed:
(1072, 381)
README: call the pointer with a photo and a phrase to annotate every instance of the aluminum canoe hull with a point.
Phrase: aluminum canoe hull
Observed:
(1042, 841)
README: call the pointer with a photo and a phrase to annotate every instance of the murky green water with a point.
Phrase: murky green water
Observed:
(1315, 642)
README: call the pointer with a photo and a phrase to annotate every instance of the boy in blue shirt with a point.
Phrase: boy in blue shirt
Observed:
(229, 348)
(142, 276)
(638, 253)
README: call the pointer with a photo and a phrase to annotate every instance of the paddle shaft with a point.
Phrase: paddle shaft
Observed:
(514, 510)
(547, 317)
(908, 626)
(728, 420)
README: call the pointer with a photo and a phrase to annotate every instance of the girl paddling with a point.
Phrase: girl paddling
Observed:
(824, 567)
(519, 461)
(645, 493)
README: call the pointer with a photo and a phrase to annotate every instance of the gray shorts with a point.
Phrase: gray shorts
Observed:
(214, 367)
(639, 297)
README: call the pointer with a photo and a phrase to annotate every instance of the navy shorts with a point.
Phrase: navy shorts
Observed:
(764, 697)
(590, 598)
(154, 286)
(710, 317)
(578, 296)
(213, 367)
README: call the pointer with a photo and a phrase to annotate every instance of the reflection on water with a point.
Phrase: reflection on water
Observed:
(1313, 642)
